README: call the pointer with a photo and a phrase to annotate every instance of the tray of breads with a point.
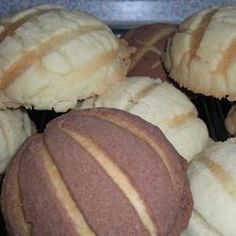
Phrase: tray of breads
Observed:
(117, 118)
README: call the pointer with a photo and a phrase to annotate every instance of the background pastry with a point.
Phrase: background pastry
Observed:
(15, 127)
(97, 172)
(230, 120)
(150, 42)
(201, 54)
(50, 57)
(212, 178)
(161, 104)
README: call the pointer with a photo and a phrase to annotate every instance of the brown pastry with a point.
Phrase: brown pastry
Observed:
(150, 42)
(97, 172)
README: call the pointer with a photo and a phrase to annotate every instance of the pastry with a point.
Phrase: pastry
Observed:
(212, 179)
(201, 54)
(51, 57)
(97, 172)
(150, 43)
(230, 121)
(15, 127)
(161, 104)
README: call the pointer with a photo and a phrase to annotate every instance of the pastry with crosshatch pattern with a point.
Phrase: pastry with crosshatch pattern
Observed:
(51, 57)
(201, 54)
(99, 172)
(161, 104)
(150, 42)
(212, 177)
(230, 120)
(15, 128)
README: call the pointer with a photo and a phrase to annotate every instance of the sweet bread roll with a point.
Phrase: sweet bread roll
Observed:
(161, 104)
(15, 127)
(50, 57)
(212, 178)
(201, 54)
(230, 120)
(97, 172)
(150, 42)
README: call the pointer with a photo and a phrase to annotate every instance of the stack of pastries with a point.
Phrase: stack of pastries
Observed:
(125, 159)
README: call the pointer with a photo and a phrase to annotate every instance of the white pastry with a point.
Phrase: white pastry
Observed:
(230, 121)
(50, 57)
(212, 177)
(15, 127)
(202, 54)
(161, 104)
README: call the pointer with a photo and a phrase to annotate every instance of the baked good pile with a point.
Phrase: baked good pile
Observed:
(130, 155)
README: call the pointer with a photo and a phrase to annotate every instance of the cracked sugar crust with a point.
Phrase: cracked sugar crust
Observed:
(230, 120)
(150, 43)
(201, 55)
(15, 127)
(161, 104)
(212, 179)
(51, 57)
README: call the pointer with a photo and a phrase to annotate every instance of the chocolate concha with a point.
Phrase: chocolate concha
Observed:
(150, 43)
(50, 57)
(97, 172)
(15, 127)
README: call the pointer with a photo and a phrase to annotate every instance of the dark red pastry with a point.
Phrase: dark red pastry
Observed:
(150, 43)
(97, 172)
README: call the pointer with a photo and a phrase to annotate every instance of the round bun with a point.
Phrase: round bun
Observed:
(230, 120)
(51, 57)
(201, 54)
(161, 104)
(150, 42)
(212, 178)
(15, 127)
(97, 172)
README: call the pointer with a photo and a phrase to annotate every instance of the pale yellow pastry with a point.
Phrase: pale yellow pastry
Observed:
(50, 57)
(15, 127)
(212, 176)
(161, 104)
(230, 121)
(202, 54)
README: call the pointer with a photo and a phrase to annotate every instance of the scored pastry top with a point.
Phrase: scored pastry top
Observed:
(150, 43)
(212, 179)
(97, 172)
(201, 55)
(50, 57)
(15, 127)
(161, 104)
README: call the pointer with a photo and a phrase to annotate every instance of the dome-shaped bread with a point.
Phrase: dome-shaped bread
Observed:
(212, 178)
(15, 127)
(150, 43)
(201, 55)
(161, 104)
(230, 120)
(97, 172)
(50, 57)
